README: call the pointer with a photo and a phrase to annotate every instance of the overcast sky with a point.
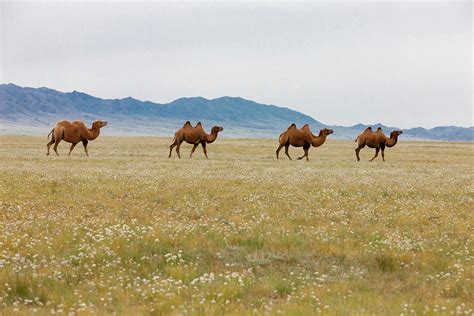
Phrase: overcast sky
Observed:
(403, 64)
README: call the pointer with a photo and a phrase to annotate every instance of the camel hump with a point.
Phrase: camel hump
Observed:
(379, 129)
(198, 124)
(292, 126)
(306, 128)
(187, 124)
(368, 129)
(63, 122)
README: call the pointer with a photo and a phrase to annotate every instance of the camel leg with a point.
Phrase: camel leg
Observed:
(172, 146)
(177, 148)
(85, 142)
(383, 156)
(357, 150)
(286, 151)
(49, 145)
(56, 143)
(376, 153)
(278, 150)
(204, 149)
(192, 150)
(305, 153)
(72, 147)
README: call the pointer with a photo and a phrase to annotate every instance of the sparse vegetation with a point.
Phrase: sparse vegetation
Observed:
(130, 231)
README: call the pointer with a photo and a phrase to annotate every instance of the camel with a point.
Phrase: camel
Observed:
(74, 132)
(376, 140)
(301, 138)
(194, 136)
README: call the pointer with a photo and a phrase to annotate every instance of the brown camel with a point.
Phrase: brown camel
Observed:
(74, 132)
(195, 136)
(376, 140)
(301, 138)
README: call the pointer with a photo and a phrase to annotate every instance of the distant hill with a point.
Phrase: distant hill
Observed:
(31, 110)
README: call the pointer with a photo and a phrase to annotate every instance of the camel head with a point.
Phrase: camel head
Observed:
(99, 124)
(326, 131)
(395, 133)
(216, 129)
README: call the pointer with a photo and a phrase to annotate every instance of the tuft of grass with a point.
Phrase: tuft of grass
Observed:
(386, 263)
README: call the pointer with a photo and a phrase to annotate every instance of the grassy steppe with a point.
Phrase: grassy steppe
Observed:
(130, 231)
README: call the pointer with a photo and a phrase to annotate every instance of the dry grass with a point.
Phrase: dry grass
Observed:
(131, 231)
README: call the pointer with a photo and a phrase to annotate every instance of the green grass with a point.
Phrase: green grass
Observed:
(130, 231)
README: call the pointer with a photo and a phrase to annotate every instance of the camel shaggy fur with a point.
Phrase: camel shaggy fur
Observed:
(301, 138)
(194, 136)
(74, 132)
(376, 140)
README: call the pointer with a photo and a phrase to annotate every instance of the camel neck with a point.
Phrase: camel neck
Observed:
(319, 140)
(392, 141)
(93, 133)
(212, 137)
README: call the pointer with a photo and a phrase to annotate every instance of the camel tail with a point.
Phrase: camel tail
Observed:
(356, 139)
(50, 133)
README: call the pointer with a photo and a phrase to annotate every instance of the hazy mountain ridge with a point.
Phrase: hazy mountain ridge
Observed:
(37, 108)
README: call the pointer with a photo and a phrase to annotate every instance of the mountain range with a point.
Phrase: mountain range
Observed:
(35, 110)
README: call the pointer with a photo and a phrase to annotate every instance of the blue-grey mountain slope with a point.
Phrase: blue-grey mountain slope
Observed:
(34, 110)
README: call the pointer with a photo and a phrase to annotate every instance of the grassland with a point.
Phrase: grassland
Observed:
(130, 231)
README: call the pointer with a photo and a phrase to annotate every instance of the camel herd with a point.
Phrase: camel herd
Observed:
(76, 131)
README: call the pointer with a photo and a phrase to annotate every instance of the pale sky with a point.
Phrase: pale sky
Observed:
(403, 64)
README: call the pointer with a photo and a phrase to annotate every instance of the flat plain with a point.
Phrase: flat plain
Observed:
(129, 231)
